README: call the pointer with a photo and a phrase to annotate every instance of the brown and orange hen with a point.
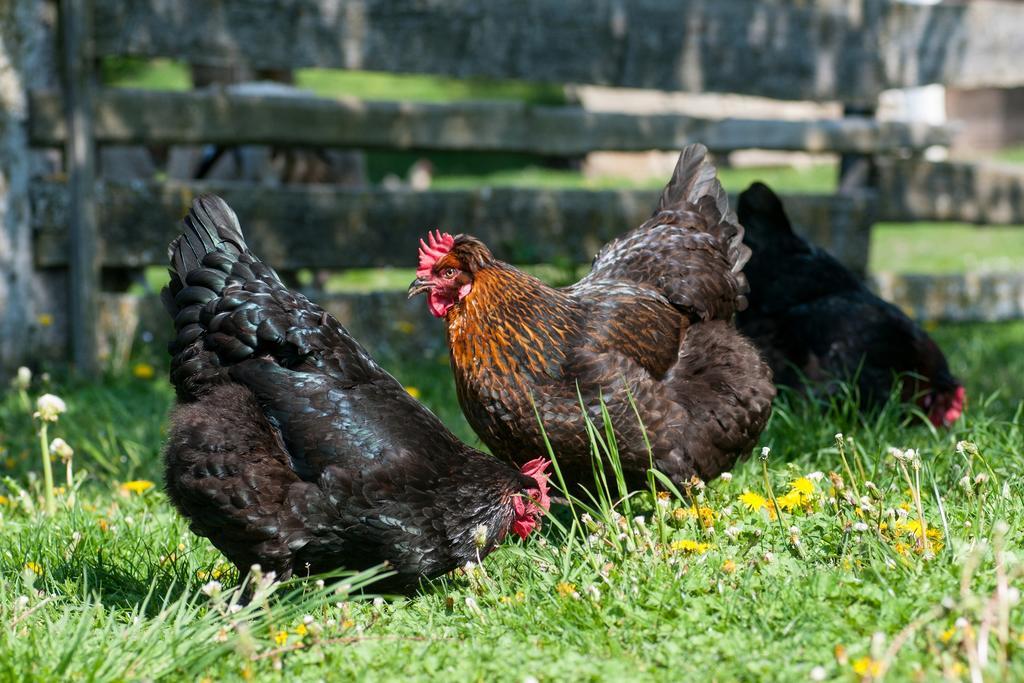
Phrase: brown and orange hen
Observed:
(649, 331)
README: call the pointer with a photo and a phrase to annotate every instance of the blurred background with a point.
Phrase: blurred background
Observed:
(342, 131)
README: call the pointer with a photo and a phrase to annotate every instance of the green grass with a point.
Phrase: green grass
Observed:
(166, 74)
(109, 589)
(946, 248)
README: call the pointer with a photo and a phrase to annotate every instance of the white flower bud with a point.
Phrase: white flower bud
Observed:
(211, 589)
(60, 448)
(480, 536)
(23, 379)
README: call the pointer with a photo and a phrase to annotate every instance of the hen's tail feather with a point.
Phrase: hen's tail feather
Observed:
(210, 226)
(694, 186)
(209, 252)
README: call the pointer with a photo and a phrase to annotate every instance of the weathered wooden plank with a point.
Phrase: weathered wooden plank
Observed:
(955, 297)
(80, 152)
(217, 116)
(916, 190)
(324, 227)
(387, 323)
(819, 49)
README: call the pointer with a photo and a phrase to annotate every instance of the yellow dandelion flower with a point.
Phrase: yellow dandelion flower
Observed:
(865, 666)
(689, 546)
(143, 371)
(706, 516)
(804, 485)
(753, 501)
(414, 392)
(138, 486)
(34, 568)
(520, 596)
(729, 567)
(791, 501)
(281, 638)
(4, 500)
(103, 524)
(663, 495)
(948, 634)
(565, 589)
(44, 319)
(348, 623)
(301, 630)
(900, 548)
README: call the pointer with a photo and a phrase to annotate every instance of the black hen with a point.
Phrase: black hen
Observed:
(814, 320)
(293, 449)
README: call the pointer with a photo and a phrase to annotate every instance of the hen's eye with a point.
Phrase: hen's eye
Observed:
(448, 273)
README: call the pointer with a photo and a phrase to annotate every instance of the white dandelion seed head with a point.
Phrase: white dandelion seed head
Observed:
(818, 673)
(860, 527)
(49, 407)
(726, 476)
(815, 476)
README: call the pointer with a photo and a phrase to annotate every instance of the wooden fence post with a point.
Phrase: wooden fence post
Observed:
(80, 153)
(18, 34)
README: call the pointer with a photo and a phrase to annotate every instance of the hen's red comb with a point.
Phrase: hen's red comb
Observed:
(436, 245)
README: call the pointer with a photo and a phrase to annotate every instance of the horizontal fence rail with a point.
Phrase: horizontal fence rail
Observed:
(388, 321)
(915, 190)
(324, 227)
(219, 116)
(847, 50)
(968, 297)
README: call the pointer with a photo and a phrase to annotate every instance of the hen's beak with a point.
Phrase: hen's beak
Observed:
(419, 286)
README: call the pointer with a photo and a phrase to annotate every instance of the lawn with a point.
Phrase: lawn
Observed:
(831, 558)
(837, 576)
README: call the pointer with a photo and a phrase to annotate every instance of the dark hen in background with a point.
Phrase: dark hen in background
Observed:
(814, 320)
(291, 448)
(648, 331)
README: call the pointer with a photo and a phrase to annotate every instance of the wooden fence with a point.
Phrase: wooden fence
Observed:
(60, 232)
